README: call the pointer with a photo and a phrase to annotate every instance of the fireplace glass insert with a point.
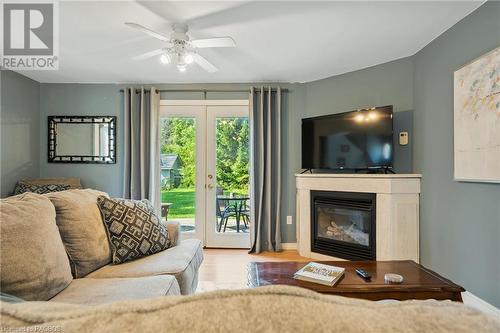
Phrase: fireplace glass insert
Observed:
(343, 224)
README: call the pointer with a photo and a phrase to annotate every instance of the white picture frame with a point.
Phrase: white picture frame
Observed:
(476, 119)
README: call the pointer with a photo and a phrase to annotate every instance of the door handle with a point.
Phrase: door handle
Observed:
(210, 186)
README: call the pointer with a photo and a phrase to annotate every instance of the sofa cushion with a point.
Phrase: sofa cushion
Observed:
(88, 291)
(134, 229)
(82, 229)
(33, 261)
(181, 261)
(39, 188)
(174, 231)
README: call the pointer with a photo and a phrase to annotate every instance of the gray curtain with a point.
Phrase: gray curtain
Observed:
(142, 145)
(265, 122)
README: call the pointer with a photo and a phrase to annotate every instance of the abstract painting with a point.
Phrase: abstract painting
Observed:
(477, 119)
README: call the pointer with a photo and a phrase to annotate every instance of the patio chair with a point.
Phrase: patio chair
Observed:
(224, 211)
(245, 216)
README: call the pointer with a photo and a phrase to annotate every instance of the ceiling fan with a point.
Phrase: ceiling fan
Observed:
(180, 50)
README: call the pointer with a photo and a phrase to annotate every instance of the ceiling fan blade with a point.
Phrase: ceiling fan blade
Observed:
(149, 54)
(204, 63)
(147, 31)
(213, 42)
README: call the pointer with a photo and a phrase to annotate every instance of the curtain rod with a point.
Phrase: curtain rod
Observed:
(257, 89)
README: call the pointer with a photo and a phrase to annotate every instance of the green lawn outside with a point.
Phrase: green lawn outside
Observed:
(183, 201)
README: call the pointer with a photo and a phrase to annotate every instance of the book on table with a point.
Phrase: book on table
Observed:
(319, 273)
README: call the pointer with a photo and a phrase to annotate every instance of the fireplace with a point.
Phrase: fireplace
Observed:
(343, 224)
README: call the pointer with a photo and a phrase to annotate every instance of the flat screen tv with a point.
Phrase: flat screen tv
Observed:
(354, 140)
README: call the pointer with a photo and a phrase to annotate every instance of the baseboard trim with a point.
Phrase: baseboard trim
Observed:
(289, 246)
(473, 301)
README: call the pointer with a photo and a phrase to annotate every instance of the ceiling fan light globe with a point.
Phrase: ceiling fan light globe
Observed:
(175, 58)
(181, 68)
(165, 59)
(188, 59)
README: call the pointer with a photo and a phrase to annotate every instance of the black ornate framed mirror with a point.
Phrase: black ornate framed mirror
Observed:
(82, 139)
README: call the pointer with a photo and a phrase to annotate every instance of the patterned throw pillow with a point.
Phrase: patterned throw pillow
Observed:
(40, 188)
(134, 229)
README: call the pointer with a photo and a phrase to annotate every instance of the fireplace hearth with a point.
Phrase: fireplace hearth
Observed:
(343, 224)
(394, 207)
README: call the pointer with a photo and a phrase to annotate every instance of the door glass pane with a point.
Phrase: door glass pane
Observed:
(178, 170)
(232, 175)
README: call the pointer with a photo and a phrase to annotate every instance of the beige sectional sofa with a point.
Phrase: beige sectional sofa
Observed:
(52, 248)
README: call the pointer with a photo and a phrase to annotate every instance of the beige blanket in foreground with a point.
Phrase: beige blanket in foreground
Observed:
(265, 309)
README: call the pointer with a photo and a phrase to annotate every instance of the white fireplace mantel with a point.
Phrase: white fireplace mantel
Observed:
(397, 210)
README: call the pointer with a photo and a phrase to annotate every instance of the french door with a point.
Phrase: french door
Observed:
(205, 170)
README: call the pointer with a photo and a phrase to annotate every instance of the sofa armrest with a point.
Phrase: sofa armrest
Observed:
(174, 230)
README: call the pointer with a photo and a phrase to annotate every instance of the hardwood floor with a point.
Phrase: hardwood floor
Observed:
(227, 268)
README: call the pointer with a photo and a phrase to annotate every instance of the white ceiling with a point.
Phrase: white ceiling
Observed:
(276, 41)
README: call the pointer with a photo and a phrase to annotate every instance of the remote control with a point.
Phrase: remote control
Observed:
(365, 275)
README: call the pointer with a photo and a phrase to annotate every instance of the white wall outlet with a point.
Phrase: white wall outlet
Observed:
(289, 220)
(403, 138)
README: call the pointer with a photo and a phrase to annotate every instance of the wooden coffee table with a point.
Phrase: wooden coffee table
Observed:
(419, 282)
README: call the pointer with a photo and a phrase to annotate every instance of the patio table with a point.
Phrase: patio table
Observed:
(237, 204)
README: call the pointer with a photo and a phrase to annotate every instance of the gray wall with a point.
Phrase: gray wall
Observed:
(83, 100)
(460, 222)
(20, 131)
(390, 83)
(106, 99)
(387, 84)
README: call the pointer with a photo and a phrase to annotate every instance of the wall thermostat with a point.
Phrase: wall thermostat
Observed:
(403, 138)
